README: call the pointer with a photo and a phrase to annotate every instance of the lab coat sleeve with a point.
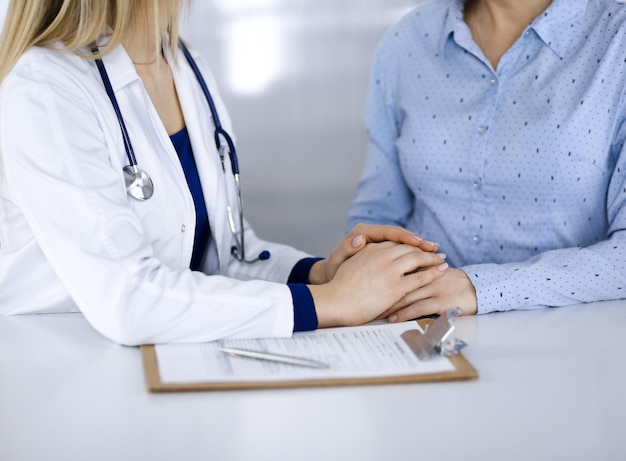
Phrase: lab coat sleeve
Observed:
(60, 174)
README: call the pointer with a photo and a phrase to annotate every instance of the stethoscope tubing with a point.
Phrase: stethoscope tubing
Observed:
(136, 174)
(239, 250)
(130, 152)
(219, 131)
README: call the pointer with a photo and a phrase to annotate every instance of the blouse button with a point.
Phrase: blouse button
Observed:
(182, 228)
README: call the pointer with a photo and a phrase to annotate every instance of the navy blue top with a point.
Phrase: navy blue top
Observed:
(182, 144)
(305, 317)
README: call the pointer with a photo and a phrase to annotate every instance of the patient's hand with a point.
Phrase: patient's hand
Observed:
(452, 289)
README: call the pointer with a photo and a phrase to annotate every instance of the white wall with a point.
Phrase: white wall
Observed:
(294, 76)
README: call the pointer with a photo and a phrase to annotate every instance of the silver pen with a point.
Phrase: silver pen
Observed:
(270, 356)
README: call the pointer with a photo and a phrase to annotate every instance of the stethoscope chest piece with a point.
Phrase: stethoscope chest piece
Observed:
(138, 183)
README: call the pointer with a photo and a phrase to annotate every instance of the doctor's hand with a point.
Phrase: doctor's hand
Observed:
(452, 289)
(323, 271)
(374, 280)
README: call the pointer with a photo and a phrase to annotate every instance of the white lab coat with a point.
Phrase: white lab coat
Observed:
(70, 236)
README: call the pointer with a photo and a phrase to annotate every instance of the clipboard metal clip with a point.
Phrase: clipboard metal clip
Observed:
(439, 339)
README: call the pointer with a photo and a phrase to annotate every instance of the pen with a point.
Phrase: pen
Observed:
(270, 356)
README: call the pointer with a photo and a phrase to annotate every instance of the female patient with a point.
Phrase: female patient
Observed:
(497, 128)
(119, 192)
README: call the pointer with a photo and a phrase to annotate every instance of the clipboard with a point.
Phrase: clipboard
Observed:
(463, 371)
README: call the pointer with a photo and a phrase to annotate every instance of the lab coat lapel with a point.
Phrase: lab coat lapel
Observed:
(120, 68)
(201, 128)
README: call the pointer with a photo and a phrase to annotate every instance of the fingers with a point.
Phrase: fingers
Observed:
(452, 289)
(414, 296)
(411, 259)
(417, 280)
(418, 309)
(406, 261)
(362, 234)
(378, 233)
(411, 298)
(409, 268)
(348, 247)
(358, 242)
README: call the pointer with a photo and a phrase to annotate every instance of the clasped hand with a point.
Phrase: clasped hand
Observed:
(386, 271)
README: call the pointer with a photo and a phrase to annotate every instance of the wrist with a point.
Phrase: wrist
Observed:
(317, 274)
(327, 313)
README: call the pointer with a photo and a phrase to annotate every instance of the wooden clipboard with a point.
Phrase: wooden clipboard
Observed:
(463, 371)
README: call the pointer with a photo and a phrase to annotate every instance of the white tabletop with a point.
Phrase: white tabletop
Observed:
(552, 386)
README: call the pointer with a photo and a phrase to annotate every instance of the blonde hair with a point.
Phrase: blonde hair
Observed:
(78, 23)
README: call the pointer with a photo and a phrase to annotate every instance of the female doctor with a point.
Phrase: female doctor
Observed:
(119, 192)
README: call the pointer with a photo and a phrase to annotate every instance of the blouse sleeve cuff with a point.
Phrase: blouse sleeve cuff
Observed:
(300, 272)
(304, 315)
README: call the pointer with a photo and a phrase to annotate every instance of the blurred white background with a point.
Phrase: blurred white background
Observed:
(294, 76)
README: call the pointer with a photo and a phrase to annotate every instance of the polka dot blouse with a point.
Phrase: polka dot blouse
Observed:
(520, 172)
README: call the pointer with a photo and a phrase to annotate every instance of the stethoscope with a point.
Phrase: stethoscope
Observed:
(139, 184)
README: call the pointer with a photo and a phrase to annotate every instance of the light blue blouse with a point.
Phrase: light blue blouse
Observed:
(519, 173)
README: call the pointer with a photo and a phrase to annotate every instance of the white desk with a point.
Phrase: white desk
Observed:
(552, 386)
